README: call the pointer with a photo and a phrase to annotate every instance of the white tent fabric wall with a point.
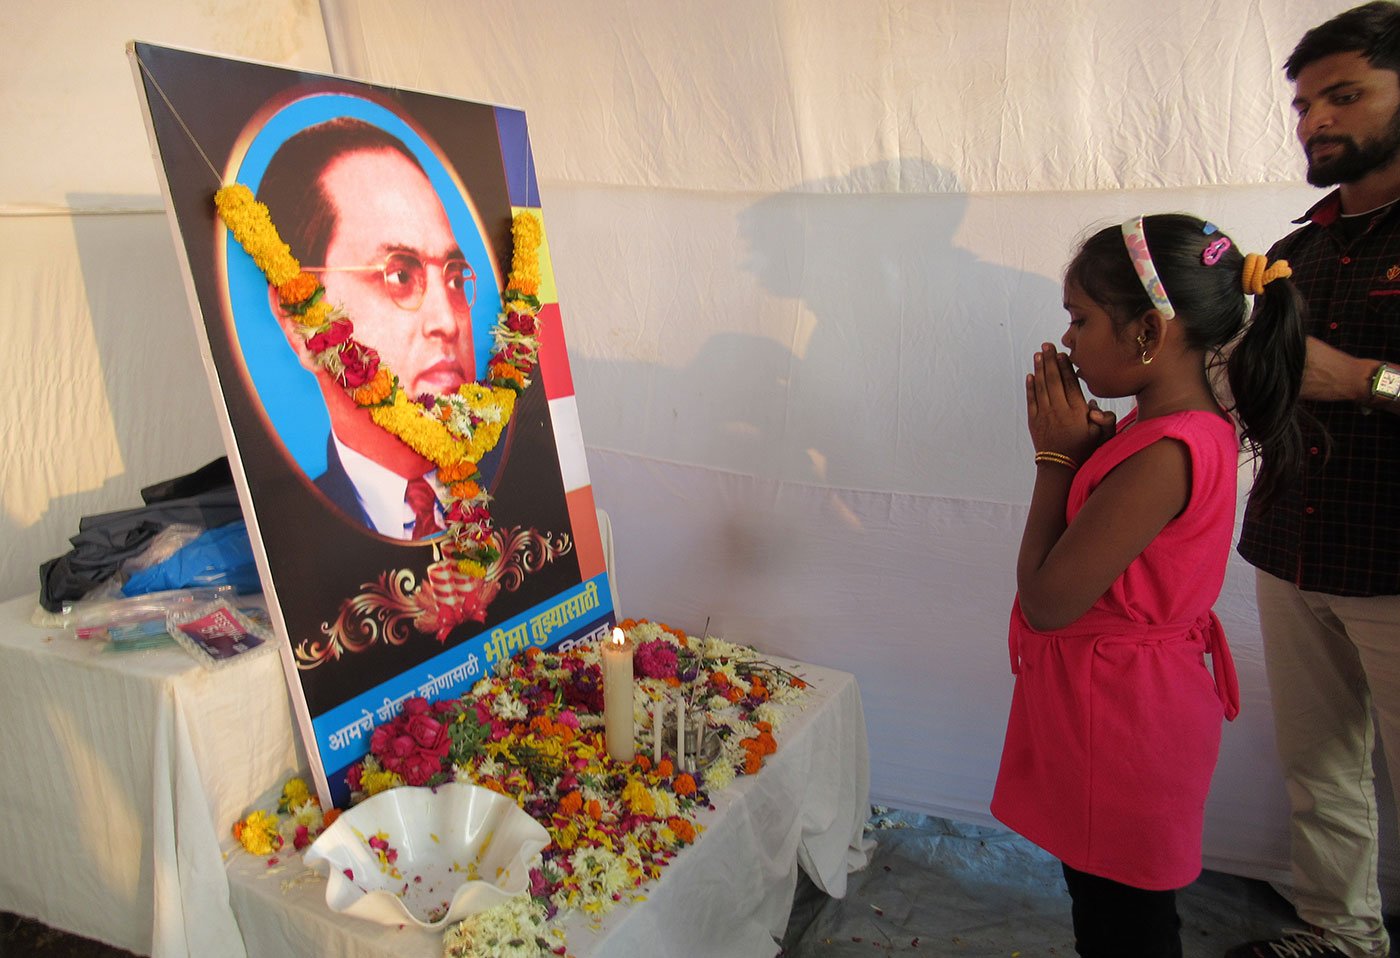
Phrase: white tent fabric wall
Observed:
(100, 353)
(804, 252)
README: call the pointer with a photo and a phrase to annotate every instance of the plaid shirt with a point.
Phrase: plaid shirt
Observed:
(1336, 529)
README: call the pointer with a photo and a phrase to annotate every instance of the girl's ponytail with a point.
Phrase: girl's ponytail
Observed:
(1265, 372)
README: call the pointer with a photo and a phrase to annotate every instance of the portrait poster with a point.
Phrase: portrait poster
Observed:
(401, 204)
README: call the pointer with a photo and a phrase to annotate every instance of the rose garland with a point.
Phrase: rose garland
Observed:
(452, 431)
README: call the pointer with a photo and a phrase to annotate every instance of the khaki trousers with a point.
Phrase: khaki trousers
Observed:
(1331, 661)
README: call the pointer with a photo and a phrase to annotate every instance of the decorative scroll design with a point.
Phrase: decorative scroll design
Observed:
(524, 551)
(397, 605)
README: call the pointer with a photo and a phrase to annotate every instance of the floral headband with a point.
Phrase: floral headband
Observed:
(1136, 241)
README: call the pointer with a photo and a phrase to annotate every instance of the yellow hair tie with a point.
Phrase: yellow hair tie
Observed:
(1279, 270)
(1258, 273)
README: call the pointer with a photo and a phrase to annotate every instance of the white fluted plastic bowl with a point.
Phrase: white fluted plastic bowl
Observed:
(461, 850)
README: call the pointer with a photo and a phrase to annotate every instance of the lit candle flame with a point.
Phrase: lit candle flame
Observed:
(619, 637)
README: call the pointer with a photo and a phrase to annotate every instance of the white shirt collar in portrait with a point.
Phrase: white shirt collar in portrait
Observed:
(381, 492)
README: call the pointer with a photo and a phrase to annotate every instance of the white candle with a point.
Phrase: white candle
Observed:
(658, 722)
(617, 697)
(680, 732)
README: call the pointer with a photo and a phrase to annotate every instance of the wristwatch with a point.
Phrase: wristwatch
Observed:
(1385, 383)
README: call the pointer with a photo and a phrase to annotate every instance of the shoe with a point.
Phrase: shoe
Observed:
(1295, 944)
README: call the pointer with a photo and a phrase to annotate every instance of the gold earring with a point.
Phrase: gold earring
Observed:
(1142, 342)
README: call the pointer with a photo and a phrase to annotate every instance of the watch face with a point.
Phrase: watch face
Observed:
(1387, 383)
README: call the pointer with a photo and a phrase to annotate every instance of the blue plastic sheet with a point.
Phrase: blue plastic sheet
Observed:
(221, 556)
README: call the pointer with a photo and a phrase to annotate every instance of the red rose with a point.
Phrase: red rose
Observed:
(421, 767)
(429, 733)
(520, 323)
(338, 333)
(360, 364)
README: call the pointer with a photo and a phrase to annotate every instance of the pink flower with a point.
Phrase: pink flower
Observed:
(656, 659)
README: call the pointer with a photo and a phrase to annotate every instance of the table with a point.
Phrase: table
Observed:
(123, 772)
(728, 895)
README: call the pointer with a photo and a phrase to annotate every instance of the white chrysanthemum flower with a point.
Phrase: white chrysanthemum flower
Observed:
(665, 801)
(459, 423)
(512, 929)
(308, 813)
(720, 649)
(726, 669)
(649, 632)
(509, 708)
(720, 775)
(490, 768)
(742, 730)
(770, 713)
(599, 874)
(786, 694)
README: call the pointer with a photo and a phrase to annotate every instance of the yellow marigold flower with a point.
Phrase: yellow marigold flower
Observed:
(252, 227)
(258, 833)
(375, 782)
(471, 568)
(317, 316)
(527, 283)
(294, 793)
(526, 233)
(638, 798)
(567, 837)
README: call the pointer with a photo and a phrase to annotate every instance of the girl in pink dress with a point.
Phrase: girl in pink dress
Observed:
(1115, 718)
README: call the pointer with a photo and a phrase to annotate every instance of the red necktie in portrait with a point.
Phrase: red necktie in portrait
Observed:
(423, 501)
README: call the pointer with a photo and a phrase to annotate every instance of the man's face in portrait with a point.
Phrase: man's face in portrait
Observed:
(394, 266)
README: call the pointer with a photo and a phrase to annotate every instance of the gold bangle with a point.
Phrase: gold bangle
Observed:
(1058, 458)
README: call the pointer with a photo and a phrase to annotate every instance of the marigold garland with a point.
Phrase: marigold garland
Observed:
(453, 432)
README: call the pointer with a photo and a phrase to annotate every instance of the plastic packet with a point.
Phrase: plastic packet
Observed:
(138, 637)
(95, 620)
(216, 633)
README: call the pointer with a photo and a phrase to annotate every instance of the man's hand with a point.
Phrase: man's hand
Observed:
(1330, 375)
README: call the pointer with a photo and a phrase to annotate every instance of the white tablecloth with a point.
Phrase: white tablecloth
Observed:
(122, 775)
(729, 895)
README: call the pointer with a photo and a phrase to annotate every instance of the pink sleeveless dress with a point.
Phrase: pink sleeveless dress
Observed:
(1115, 719)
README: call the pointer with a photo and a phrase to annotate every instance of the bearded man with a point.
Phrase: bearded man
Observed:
(1327, 552)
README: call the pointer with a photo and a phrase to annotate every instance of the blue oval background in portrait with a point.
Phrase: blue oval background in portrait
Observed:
(288, 393)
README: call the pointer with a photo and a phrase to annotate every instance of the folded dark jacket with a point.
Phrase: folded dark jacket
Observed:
(206, 498)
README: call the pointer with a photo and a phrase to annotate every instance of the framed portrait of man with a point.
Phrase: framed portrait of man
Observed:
(399, 205)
